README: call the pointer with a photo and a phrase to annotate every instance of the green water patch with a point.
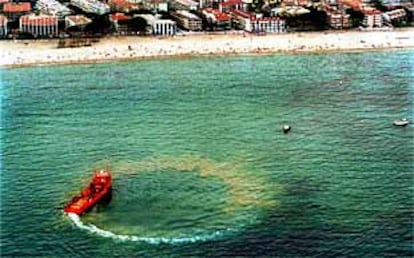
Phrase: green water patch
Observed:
(182, 197)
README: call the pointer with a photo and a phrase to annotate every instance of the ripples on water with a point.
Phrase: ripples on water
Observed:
(201, 166)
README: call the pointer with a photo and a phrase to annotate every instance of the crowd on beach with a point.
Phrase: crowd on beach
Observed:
(23, 53)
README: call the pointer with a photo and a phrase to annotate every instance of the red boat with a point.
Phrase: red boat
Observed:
(98, 191)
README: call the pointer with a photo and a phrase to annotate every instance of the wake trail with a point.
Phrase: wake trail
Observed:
(151, 240)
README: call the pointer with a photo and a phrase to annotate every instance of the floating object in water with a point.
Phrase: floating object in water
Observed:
(286, 128)
(98, 191)
(401, 122)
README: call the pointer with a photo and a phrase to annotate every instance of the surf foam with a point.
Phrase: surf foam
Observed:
(151, 240)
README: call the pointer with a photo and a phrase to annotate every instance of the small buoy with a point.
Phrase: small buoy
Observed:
(286, 128)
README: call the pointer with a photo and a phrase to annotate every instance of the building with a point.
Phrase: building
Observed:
(257, 24)
(91, 6)
(140, 2)
(187, 20)
(391, 3)
(3, 26)
(242, 20)
(2, 3)
(79, 21)
(396, 15)
(39, 25)
(123, 6)
(267, 24)
(372, 18)
(161, 27)
(337, 18)
(357, 5)
(164, 27)
(288, 11)
(53, 7)
(14, 11)
(217, 19)
(184, 5)
(231, 5)
(119, 20)
(330, 3)
(156, 5)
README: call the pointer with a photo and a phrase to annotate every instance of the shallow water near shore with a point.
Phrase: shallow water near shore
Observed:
(201, 166)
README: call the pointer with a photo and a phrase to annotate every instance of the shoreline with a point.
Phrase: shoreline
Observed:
(24, 53)
(187, 56)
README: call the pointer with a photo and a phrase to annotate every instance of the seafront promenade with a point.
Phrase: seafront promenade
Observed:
(45, 52)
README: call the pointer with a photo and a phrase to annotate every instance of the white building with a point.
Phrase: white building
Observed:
(337, 20)
(53, 7)
(91, 6)
(217, 18)
(395, 15)
(39, 25)
(187, 20)
(184, 5)
(268, 24)
(258, 24)
(164, 27)
(160, 26)
(156, 5)
(372, 18)
(231, 5)
(76, 20)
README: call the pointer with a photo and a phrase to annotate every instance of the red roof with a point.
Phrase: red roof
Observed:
(123, 4)
(120, 2)
(219, 15)
(302, 2)
(20, 7)
(231, 2)
(355, 4)
(371, 11)
(222, 17)
(40, 20)
(254, 18)
(119, 17)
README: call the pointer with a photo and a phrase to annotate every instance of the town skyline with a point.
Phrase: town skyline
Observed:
(53, 19)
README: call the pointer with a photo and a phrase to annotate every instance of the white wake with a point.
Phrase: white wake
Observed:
(151, 240)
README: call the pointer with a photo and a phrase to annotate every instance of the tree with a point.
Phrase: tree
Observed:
(138, 24)
(378, 4)
(100, 25)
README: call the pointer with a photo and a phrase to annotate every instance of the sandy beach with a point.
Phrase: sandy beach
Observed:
(43, 52)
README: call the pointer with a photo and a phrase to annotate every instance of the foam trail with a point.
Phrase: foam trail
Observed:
(248, 194)
(151, 240)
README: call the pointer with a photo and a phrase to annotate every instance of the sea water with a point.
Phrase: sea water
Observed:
(201, 165)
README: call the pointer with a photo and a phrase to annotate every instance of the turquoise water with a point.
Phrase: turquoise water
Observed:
(200, 163)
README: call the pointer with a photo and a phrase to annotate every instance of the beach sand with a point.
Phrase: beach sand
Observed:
(45, 52)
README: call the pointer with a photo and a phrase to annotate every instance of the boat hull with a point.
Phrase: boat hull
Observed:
(99, 191)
